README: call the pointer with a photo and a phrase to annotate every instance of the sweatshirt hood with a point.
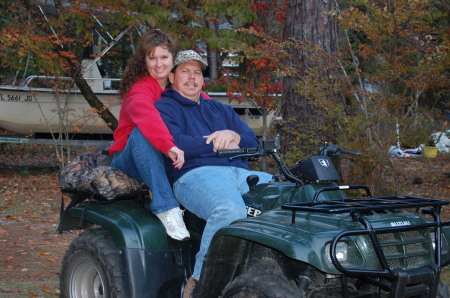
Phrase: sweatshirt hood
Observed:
(172, 94)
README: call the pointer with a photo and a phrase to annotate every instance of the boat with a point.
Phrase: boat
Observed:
(36, 107)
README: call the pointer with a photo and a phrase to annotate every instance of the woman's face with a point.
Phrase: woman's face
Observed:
(159, 63)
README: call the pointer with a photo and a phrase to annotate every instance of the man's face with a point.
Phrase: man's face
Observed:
(188, 79)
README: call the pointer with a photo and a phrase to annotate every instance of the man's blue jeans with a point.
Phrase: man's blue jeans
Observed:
(139, 159)
(214, 193)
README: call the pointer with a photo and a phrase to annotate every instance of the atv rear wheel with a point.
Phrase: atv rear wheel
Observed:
(254, 285)
(91, 267)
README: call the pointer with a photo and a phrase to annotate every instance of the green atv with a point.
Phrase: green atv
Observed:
(303, 237)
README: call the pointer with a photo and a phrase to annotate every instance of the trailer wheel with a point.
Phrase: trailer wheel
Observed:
(91, 267)
(254, 285)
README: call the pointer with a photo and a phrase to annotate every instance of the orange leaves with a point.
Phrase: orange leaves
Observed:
(45, 255)
(66, 54)
(9, 262)
(45, 289)
(260, 64)
(366, 51)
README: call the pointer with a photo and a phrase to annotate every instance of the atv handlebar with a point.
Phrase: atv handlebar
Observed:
(331, 150)
(234, 153)
(350, 152)
(269, 147)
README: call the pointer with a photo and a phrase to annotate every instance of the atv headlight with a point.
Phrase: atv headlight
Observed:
(341, 252)
(444, 243)
(433, 240)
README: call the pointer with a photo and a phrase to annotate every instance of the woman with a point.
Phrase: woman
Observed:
(141, 135)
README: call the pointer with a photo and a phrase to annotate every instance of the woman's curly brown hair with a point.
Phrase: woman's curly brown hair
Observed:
(137, 68)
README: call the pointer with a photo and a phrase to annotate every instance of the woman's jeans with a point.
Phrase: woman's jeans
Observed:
(139, 159)
(214, 193)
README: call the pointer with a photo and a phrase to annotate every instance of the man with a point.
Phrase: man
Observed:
(211, 187)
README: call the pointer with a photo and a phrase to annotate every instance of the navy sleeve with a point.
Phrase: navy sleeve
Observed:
(193, 145)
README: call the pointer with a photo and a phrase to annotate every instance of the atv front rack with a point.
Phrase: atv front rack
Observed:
(361, 204)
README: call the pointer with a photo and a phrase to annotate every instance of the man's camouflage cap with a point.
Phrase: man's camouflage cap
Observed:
(189, 55)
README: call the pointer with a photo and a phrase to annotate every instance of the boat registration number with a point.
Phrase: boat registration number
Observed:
(12, 97)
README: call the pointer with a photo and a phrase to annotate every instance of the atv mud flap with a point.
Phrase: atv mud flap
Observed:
(153, 273)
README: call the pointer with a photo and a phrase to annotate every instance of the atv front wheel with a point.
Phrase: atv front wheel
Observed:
(91, 267)
(254, 285)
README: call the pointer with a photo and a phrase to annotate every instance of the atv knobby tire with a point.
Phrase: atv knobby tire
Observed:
(255, 285)
(91, 267)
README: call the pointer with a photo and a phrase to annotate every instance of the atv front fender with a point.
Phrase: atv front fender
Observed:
(305, 242)
(308, 240)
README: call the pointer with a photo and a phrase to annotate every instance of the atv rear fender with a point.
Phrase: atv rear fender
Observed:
(130, 224)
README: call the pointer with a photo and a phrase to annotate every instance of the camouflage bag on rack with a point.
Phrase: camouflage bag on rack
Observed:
(111, 183)
(82, 177)
(74, 177)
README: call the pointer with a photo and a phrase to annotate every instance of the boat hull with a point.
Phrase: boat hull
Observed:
(28, 111)
(40, 110)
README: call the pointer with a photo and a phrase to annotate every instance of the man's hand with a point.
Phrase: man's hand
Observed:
(177, 156)
(224, 139)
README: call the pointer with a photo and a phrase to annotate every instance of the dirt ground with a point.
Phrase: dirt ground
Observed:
(30, 199)
(32, 250)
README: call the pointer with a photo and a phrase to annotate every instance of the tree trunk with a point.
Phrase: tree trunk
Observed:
(212, 54)
(95, 103)
(212, 64)
(306, 20)
(91, 98)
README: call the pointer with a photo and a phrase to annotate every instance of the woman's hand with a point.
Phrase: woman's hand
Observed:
(177, 156)
(224, 139)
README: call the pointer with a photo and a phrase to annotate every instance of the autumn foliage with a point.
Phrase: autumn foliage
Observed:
(388, 83)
